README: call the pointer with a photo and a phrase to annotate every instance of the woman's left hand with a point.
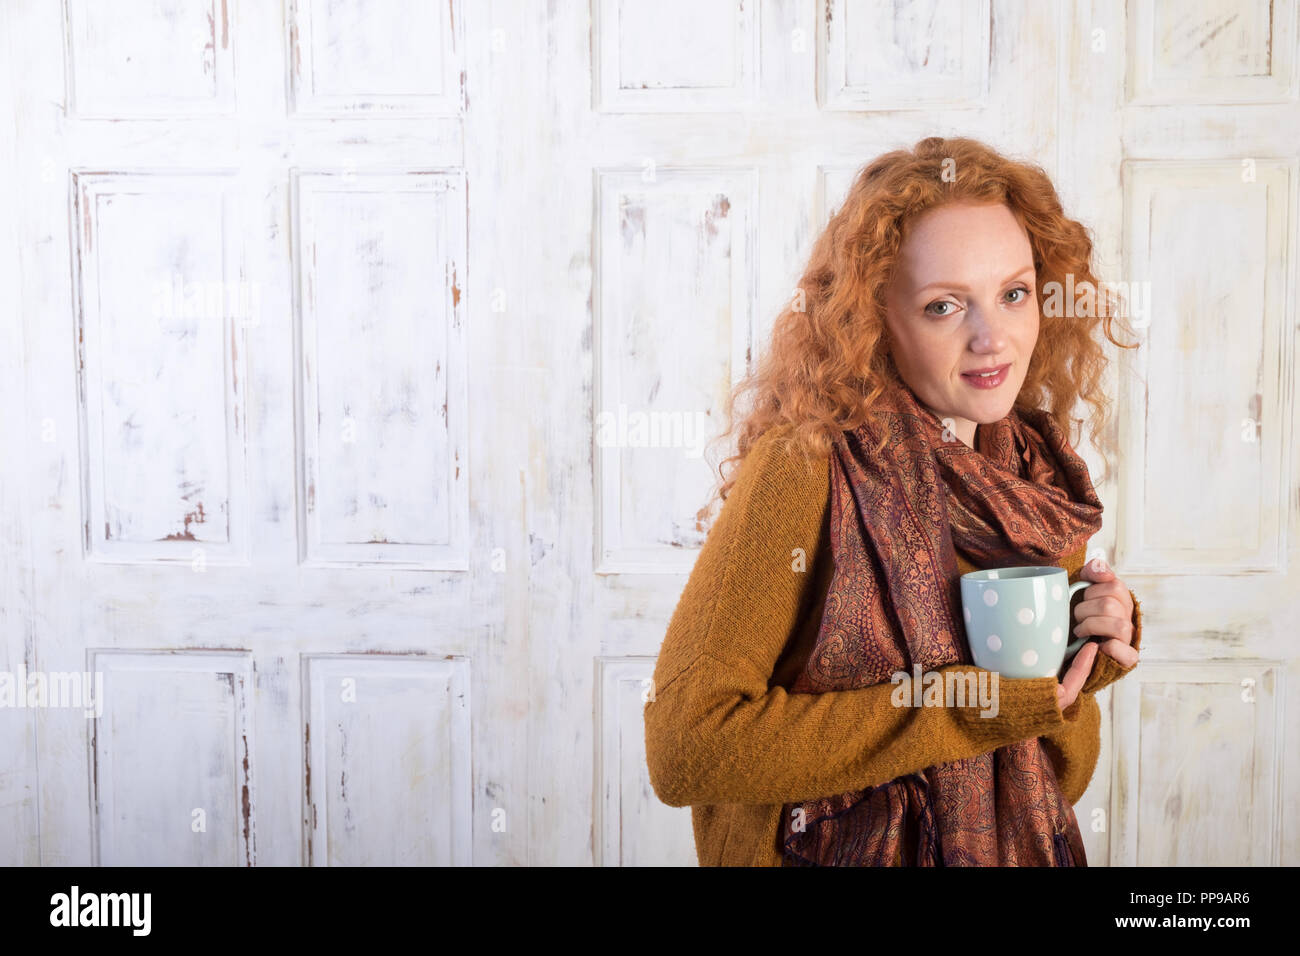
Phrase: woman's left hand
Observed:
(1107, 611)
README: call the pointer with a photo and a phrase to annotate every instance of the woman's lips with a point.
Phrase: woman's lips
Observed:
(988, 381)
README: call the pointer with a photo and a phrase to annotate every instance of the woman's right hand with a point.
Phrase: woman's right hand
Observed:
(1067, 691)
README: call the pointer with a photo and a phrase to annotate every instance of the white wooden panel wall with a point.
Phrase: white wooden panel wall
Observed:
(450, 241)
(383, 367)
(696, 225)
(144, 59)
(879, 56)
(1217, 351)
(150, 342)
(674, 55)
(405, 803)
(18, 803)
(633, 827)
(175, 732)
(243, 332)
(349, 56)
(1206, 115)
(1199, 775)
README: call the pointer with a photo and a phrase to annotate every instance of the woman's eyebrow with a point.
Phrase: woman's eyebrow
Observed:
(958, 285)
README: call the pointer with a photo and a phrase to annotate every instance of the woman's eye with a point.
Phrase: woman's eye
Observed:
(1019, 289)
(939, 302)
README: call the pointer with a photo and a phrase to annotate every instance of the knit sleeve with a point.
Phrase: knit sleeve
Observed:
(1074, 747)
(714, 730)
(1105, 669)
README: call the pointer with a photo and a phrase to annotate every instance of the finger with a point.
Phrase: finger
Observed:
(1105, 584)
(1113, 588)
(1080, 668)
(1081, 664)
(1104, 626)
(1124, 654)
(1096, 570)
(1108, 605)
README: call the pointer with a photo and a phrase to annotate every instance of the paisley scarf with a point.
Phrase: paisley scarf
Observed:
(1021, 497)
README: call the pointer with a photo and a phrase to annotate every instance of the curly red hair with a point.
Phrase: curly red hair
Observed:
(828, 358)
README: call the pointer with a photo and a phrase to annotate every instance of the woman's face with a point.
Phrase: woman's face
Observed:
(963, 299)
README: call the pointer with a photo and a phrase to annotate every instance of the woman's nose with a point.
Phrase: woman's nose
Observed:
(988, 335)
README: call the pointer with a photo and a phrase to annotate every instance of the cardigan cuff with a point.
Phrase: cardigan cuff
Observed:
(1105, 669)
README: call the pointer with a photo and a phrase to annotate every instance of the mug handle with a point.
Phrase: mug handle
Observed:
(1074, 645)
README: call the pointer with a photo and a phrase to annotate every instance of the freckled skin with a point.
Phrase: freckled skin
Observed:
(977, 317)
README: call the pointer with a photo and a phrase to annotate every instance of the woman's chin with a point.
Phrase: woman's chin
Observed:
(990, 408)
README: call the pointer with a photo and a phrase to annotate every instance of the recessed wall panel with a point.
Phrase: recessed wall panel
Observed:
(636, 828)
(162, 319)
(1207, 51)
(675, 55)
(387, 750)
(675, 266)
(877, 56)
(359, 57)
(171, 759)
(381, 263)
(1207, 413)
(141, 58)
(1198, 752)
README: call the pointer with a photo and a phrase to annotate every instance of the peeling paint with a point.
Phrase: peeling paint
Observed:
(631, 221)
(306, 763)
(247, 808)
(192, 517)
(721, 206)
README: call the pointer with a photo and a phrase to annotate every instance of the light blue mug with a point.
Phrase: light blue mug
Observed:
(1017, 619)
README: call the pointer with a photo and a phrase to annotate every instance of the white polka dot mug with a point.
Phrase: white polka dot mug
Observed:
(1017, 619)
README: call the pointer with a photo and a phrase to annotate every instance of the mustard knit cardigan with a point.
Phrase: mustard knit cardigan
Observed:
(724, 737)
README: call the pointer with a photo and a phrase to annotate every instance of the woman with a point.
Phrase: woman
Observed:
(909, 425)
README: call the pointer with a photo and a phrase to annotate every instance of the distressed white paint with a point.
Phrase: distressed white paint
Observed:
(1201, 521)
(349, 56)
(20, 845)
(383, 367)
(669, 351)
(203, 619)
(549, 600)
(387, 746)
(1215, 251)
(881, 56)
(1212, 52)
(175, 732)
(152, 341)
(633, 827)
(149, 58)
(674, 55)
(1199, 778)
(835, 183)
